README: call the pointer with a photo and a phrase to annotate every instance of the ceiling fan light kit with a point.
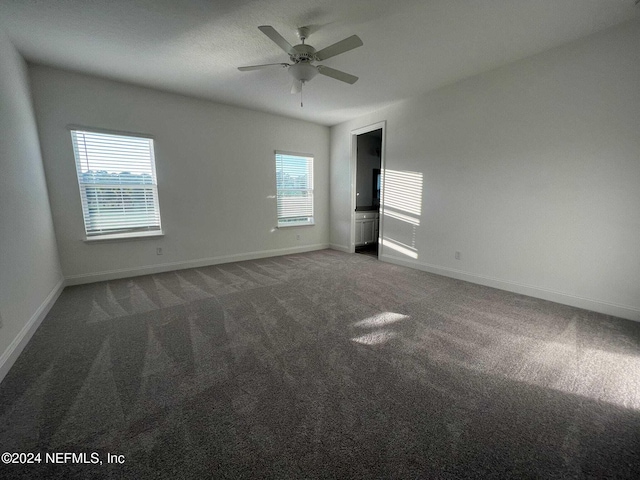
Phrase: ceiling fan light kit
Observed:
(303, 72)
(302, 69)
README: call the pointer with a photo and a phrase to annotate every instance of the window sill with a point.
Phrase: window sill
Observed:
(124, 236)
(297, 225)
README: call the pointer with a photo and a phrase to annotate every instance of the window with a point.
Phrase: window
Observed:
(294, 189)
(117, 180)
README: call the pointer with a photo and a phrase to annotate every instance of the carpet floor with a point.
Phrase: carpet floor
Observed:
(322, 365)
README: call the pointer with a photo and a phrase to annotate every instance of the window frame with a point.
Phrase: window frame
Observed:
(131, 233)
(310, 190)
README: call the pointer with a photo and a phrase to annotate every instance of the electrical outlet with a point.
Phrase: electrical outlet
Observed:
(457, 255)
(298, 237)
(159, 251)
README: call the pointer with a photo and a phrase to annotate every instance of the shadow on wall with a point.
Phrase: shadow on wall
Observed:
(402, 211)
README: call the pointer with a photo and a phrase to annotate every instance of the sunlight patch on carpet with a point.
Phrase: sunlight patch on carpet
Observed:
(375, 338)
(380, 319)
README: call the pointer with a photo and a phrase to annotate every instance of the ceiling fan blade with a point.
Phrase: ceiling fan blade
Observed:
(278, 39)
(296, 87)
(258, 67)
(337, 48)
(337, 74)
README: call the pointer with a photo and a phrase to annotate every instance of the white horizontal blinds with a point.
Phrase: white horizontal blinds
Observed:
(294, 185)
(117, 179)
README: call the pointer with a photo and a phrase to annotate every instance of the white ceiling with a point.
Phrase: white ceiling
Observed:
(193, 47)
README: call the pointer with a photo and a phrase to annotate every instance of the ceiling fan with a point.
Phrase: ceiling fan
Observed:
(302, 69)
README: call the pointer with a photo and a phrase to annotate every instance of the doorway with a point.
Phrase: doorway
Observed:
(367, 188)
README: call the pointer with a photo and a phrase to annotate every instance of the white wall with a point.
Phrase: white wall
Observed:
(531, 171)
(215, 167)
(30, 275)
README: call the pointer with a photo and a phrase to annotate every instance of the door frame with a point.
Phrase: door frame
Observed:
(353, 172)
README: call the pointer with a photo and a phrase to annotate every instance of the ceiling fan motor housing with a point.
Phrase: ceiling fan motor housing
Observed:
(303, 53)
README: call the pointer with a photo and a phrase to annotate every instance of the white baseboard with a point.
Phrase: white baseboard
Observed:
(13, 351)
(623, 311)
(200, 262)
(340, 248)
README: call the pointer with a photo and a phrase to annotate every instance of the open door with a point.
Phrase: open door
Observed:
(367, 188)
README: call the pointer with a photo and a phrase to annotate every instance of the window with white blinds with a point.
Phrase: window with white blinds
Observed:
(117, 180)
(294, 188)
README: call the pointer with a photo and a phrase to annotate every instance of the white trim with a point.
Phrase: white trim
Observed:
(124, 236)
(294, 154)
(600, 306)
(107, 131)
(340, 248)
(200, 262)
(297, 225)
(13, 351)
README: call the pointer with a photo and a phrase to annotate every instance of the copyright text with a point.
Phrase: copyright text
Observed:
(90, 458)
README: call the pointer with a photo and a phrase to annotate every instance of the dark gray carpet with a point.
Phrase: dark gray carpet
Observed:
(323, 365)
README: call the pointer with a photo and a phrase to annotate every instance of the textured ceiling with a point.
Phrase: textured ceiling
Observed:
(193, 47)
